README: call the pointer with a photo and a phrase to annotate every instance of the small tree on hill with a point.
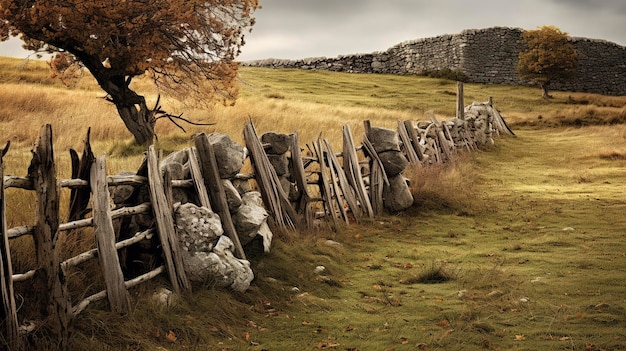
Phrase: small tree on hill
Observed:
(549, 56)
(187, 47)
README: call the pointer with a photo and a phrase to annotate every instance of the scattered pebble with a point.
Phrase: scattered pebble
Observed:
(334, 244)
(319, 269)
(568, 229)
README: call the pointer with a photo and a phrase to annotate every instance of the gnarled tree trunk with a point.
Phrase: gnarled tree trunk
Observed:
(137, 118)
(132, 108)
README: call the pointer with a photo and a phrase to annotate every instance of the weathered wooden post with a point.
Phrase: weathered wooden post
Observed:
(352, 169)
(297, 170)
(8, 313)
(118, 296)
(274, 197)
(165, 227)
(42, 171)
(460, 104)
(211, 175)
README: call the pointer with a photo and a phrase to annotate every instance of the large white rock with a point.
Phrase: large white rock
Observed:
(248, 220)
(220, 267)
(198, 228)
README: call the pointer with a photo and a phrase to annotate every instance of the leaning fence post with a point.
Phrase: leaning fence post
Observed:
(210, 172)
(165, 227)
(8, 313)
(42, 171)
(118, 296)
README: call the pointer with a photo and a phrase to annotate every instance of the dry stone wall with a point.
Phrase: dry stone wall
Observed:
(483, 55)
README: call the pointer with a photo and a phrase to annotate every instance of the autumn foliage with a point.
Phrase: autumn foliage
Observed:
(549, 56)
(187, 47)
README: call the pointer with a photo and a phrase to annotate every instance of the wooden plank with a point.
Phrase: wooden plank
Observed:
(407, 144)
(415, 140)
(119, 299)
(374, 156)
(49, 277)
(298, 173)
(376, 187)
(352, 169)
(211, 175)
(378, 177)
(93, 253)
(198, 179)
(128, 284)
(334, 182)
(346, 188)
(274, 197)
(165, 227)
(263, 176)
(324, 185)
(8, 313)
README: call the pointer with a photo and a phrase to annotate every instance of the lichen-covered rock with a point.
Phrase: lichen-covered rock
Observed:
(219, 266)
(248, 220)
(198, 228)
(228, 154)
(397, 195)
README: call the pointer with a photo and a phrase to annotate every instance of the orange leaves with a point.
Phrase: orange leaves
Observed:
(170, 336)
(442, 324)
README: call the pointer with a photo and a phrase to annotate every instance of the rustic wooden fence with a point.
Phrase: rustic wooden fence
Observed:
(327, 190)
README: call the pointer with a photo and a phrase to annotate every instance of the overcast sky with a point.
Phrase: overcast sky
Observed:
(309, 28)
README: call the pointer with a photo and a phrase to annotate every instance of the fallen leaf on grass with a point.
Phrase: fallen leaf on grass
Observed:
(348, 328)
(442, 324)
(171, 337)
(404, 341)
(564, 338)
(520, 337)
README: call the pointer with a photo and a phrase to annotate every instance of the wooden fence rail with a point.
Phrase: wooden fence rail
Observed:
(335, 179)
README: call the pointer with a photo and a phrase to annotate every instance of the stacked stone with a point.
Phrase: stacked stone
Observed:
(487, 55)
(208, 255)
(397, 195)
(479, 118)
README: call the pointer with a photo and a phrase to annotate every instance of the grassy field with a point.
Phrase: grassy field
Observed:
(517, 247)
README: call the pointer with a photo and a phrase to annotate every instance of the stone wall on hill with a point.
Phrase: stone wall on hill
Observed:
(484, 55)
